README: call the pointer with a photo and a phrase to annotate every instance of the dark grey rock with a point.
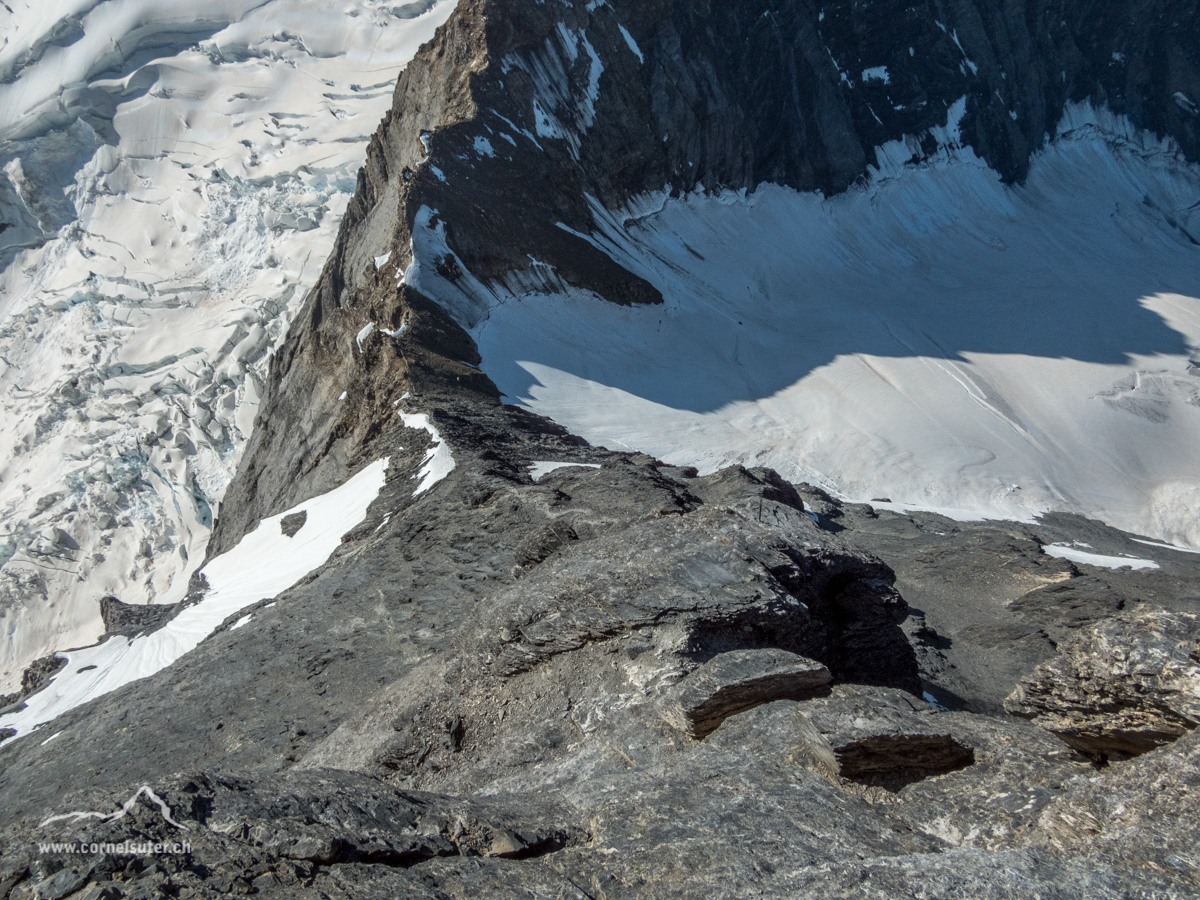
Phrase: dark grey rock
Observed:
(884, 740)
(293, 523)
(133, 619)
(66, 882)
(35, 677)
(1072, 604)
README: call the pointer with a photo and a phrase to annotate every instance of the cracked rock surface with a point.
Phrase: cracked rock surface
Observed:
(1125, 686)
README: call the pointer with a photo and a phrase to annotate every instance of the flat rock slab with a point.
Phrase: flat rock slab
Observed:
(733, 682)
(1120, 688)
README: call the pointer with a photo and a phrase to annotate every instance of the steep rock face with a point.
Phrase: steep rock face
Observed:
(519, 115)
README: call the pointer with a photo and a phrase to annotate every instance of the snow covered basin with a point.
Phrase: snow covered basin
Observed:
(935, 338)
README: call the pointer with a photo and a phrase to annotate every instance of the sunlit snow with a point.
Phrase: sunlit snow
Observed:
(439, 460)
(1074, 554)
(264, 563)
(171, 182)
(541, 467)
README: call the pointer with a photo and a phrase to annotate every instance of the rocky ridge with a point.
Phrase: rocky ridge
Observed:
(620, 679)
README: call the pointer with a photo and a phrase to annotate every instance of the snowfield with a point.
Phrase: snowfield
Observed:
(171, 182)
(934, 339)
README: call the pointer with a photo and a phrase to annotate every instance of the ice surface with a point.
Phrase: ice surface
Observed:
(172, 178)
(439, 461)
(544, 467)
(1074, 554)
(264, 563)
(934, 337)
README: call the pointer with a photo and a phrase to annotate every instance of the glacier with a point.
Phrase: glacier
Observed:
(170, 186)
(931, 339)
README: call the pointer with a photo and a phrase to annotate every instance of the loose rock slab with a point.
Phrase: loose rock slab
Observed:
(733, 682)
(1121, 688)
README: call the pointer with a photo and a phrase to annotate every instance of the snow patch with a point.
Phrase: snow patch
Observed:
(876, 73)
(263, 564)
(363, 335)
(439, 461)
(1074, 554)
(1165, 546)
(541, 467)
(636, 50)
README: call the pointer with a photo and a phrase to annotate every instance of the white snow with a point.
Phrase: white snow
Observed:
(381, 261)
(632, 43)
(363, 335)
(263, 564)
(877, 73)
(244, 620)
(1074, 554)
(439, 461)
(1165, 546)
(934, 337)
(484, 147)
(173, 178)
(541, 467)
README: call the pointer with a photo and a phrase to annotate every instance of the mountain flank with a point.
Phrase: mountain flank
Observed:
(539, 667)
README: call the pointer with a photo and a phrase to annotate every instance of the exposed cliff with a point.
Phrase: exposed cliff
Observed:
(519, 115)
(537, 667)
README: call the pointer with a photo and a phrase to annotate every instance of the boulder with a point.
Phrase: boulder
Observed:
(882, 737)
(1123, 687)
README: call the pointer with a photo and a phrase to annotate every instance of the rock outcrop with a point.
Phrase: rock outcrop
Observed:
(739, 680)
(1123, 687)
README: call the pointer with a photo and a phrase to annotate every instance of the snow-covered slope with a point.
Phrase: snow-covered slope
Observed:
(264, 563)
(933, 338)
(170, 186)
